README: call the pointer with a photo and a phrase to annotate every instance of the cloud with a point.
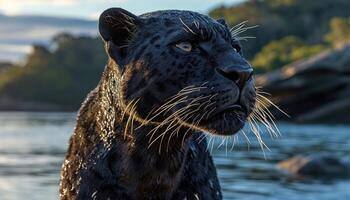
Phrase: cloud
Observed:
(94, 16)
(15, 48)
(14, 53)
(15, 7)
(18, 33)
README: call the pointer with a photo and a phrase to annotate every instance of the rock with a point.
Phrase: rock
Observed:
(316, 89)
(319, 166)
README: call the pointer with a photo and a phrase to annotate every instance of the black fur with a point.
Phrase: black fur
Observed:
(113, 157)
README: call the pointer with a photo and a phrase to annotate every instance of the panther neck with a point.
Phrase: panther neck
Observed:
(153, 156)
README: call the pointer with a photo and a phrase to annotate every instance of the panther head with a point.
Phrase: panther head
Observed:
(179, 67)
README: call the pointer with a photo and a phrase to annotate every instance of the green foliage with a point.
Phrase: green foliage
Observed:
(62, 77)
(288, 30)
(8, 74)
(281, 52)
(277, 19)
(340, 31)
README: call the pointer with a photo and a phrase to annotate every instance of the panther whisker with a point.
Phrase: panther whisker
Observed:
(209, 105)
(201, 138)
(242, 131)
(166, 107)
(245, 37)
(256, 130)
(209, 113)
(208, 143)
(171, 101)
(176, 131)
(262, 109)
(162, 135)
(184, 136)
(196, 23)
(237, 32)
(226, 143)
(256, 133)
(195, 124)
(261, 106)
(200, 119)
(183, 116)
(126, 108)
(181, 124)
(234, 140)
(266, 119)
(272, 104)
(246, 138)
(187, 26)
(238, 26)
(179, 113)
(169, 107)
(153, 131)
(130, 118)
(223, 139)
(258, 90)
(203, 104)
(242, 29)
(212, 145)
(171, 135)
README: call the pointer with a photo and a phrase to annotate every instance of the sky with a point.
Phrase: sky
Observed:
(92, 8)
(19, 29)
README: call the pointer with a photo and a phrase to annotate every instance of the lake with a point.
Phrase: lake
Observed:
(32, 147)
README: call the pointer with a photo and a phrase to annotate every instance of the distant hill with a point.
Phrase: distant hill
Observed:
(57, 79)
(290, 30)
(18, 33)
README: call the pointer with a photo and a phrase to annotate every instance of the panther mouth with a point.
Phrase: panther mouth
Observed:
(227, 120)
(236, 108)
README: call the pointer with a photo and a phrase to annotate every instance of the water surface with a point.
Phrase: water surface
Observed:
(32, 147)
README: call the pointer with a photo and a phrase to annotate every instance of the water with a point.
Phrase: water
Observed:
(32, 147)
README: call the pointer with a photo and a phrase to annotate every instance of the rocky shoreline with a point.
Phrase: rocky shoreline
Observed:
(313, 90)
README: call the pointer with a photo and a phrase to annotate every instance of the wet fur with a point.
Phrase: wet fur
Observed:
(94, 170)
(116, 151)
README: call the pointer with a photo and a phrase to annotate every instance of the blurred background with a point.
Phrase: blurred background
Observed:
(51, 57)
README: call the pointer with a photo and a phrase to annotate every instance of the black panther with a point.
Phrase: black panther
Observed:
(171, 76)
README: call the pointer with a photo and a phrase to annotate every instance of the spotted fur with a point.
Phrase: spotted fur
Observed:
(139, 133)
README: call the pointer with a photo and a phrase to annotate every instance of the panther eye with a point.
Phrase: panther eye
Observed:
(185, 46)
(236, 48)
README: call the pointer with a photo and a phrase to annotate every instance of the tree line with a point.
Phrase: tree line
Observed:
(63, 73)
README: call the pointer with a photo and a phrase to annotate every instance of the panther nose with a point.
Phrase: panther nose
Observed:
(239, 75)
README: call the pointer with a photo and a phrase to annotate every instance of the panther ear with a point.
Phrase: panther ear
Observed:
(116, 27)
(222, 21)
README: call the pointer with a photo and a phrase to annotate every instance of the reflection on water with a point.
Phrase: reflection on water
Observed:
(246, 175)
(32, 147)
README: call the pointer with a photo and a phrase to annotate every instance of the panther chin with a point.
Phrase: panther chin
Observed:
(227, 121)
(224, 122)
